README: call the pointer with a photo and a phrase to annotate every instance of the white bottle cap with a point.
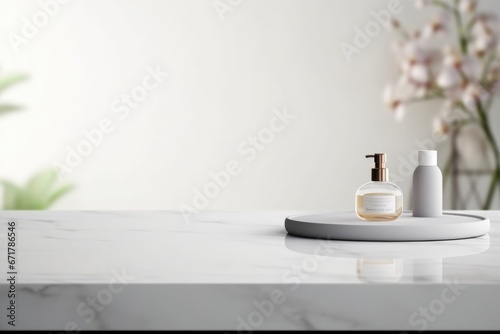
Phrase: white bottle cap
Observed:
(427, 158)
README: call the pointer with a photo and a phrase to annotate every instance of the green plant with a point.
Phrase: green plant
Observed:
(6, 83)
(41, 191)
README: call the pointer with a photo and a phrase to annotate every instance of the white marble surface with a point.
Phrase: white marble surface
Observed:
(209, 272)
(252, 247)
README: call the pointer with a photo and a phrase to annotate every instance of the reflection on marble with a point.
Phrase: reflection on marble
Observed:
(217, 271)
(383, 262)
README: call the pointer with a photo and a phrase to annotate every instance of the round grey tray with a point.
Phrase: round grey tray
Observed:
(347, 226)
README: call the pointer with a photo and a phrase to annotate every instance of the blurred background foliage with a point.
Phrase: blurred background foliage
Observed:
(43, 189)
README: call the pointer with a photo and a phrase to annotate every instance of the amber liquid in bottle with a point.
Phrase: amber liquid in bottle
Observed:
(379, 200)
(381, 211)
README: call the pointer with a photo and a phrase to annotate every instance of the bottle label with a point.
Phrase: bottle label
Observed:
(380, 203)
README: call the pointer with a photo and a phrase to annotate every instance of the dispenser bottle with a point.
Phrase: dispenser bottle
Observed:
(427, 186)
(379, 200)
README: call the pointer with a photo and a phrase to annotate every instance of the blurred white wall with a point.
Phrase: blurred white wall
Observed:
(226, 78)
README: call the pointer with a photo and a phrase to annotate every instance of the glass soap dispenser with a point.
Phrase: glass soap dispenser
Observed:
(379, 200)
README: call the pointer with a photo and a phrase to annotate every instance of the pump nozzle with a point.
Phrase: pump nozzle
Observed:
(379, 173)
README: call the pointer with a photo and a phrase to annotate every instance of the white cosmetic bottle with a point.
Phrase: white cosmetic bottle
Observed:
(427, 186)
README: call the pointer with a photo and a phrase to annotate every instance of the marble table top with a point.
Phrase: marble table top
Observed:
(229, 247)
(240, 271)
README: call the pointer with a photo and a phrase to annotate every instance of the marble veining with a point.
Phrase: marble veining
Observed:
(226, 247)
(211, 270)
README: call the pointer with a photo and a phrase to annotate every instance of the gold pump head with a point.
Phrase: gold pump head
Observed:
(379, 173)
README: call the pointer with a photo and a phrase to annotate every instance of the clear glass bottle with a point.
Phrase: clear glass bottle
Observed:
(379, 200)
